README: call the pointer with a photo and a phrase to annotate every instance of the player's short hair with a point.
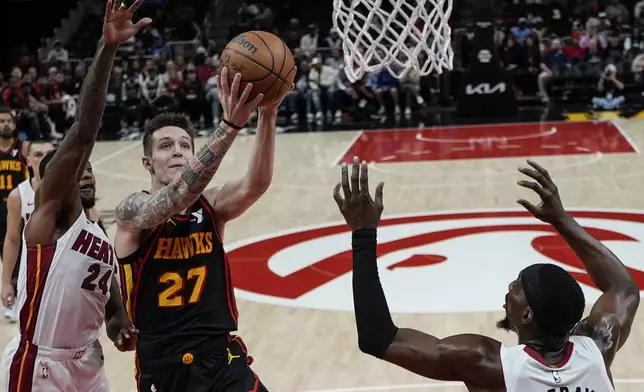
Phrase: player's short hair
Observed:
(45, 160)
(37, 142)
(168, 119)
(6, 110)
(556, 299)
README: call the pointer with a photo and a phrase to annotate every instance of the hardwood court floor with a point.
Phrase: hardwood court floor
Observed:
(289, 252)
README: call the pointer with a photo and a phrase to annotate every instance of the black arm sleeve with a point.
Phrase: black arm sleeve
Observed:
(376, 330)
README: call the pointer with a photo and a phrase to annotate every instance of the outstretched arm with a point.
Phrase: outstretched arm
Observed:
(473, 359)
(142, 211)
(611, 318)
(236, 196)
(58, 190)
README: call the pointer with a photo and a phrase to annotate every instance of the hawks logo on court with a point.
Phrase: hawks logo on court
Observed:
(442, 262)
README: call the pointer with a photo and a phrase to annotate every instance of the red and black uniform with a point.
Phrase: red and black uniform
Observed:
(178, 292)
(13, 171)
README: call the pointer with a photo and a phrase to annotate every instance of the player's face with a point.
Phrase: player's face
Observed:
(87, 186)
(516, 307)
(37, 152)
(171, 149)
(7, 126)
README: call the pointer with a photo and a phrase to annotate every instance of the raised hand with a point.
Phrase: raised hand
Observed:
(237, 109)
(118, 26)
(550, 210)
(360, 211)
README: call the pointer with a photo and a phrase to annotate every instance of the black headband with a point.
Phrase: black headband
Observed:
(538, 299)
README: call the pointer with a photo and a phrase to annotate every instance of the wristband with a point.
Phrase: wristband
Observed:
(232, 125)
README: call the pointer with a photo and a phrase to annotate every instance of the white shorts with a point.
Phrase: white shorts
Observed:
(27, 368)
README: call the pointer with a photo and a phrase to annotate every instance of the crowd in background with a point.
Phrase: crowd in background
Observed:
(537, 44)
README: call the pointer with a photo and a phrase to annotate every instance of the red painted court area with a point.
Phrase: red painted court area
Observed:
(489, 141)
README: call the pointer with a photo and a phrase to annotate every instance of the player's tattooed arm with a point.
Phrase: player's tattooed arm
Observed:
(612, 316)
(143, 211)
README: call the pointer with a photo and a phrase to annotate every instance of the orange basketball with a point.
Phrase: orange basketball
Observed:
(262, 59)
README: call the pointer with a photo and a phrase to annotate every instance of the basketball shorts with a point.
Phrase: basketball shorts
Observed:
(220, 366)
(26, 368)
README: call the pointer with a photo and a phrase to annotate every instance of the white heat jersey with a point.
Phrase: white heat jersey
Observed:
(581, 369)
(27, 198)
(63, 287)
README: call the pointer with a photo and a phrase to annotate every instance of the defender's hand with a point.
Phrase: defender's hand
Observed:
(237, 109)
(550, 210)
(118, 26)
(126, 338)
(7, 296)
(360, 211)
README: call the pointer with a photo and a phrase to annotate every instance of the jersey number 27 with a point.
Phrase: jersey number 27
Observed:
(172, 297)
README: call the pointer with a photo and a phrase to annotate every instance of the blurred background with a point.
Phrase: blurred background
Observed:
(550, 56)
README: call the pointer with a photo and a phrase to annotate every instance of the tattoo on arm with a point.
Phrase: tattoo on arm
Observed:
(140, 211)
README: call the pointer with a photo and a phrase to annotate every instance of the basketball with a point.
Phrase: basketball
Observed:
(262, 59)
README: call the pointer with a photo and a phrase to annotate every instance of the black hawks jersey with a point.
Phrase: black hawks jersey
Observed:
(13, 169)
(177, 287)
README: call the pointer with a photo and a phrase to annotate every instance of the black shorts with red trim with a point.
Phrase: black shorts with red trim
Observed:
(222, 365)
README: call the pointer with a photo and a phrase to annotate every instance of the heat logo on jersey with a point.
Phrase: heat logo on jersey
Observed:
(184, 247)
(94, 247)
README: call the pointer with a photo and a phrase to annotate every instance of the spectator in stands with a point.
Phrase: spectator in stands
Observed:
(213, 99)
(192, 97)
(592, 34)
(616, 11)
(610, 88)
(410, 88)
(309, 41)
(333, 41)
(133, 102)
(292, 34)
(58, 53)
(386, 86)
(615, 45)
(322, 81)
(172, 80)
(265, 19)
(552, 62)
(512, 58)
(160, 47)
(572, 49)
(52, 95)
(593, 54)
(521, 31)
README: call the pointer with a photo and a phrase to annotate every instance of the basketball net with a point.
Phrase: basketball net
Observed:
(415, 34)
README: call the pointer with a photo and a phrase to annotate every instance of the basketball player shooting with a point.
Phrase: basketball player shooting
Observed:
(557, 351)
(66, 286)
(169, 243)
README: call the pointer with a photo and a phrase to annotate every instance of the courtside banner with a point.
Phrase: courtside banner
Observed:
(486, 88)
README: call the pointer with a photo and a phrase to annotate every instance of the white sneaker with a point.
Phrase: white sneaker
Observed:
(10, 315)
